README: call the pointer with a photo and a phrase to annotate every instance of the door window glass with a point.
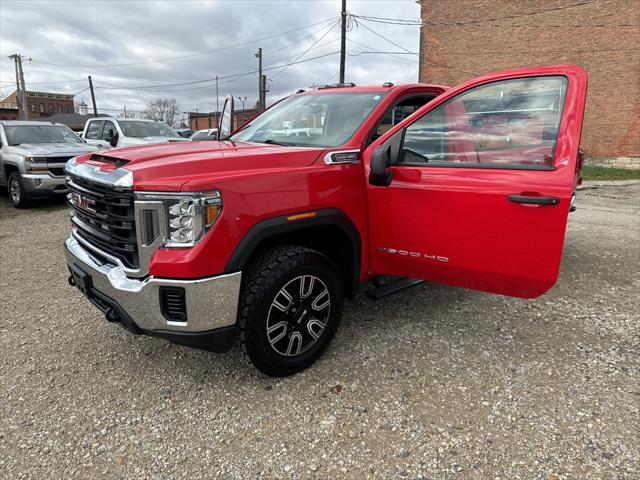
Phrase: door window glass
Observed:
(109, 131)
(511, 122)
(93, 132)
(397, 113)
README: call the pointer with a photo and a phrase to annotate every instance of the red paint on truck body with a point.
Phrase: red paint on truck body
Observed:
(463, 214)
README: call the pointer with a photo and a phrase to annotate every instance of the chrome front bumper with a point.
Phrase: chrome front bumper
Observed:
(43, 184)
(211, 303)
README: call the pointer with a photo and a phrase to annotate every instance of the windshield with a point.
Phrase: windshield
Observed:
(320, 119)
(18, 134)
(146, 129)
(204, 134)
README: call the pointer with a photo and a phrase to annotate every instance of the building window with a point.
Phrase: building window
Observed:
(33, 108)
(42, 108)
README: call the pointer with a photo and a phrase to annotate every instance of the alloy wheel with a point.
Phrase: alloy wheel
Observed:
(298, 315)
(14, 190)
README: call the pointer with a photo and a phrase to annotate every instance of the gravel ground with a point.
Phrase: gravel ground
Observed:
(434, 382)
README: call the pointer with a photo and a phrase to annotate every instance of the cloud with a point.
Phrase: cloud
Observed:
(68, 40)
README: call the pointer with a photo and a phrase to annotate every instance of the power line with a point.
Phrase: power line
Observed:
(424, 57)
(390, 54)
(189, 55)
(509, 17)
(236, 76)
(47, 83)
(306, 51)
(387, 39)
(391, 21)
(286, 47)
(357, 53)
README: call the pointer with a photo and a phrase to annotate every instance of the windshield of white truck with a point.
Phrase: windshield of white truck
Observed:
(146, 129)
(320, 119)
(19, 134)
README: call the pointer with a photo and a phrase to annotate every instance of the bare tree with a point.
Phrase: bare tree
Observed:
(162, 110)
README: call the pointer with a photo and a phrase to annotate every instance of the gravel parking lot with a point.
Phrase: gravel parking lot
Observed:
(434, 382)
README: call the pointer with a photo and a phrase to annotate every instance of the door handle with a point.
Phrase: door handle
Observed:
(534, 200)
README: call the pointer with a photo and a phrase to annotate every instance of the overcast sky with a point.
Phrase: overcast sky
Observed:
(119, 44)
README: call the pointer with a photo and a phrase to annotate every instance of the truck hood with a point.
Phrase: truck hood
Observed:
(50, 149)
(168, 166)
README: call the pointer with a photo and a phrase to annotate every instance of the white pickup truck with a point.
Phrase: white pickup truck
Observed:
(109, 132)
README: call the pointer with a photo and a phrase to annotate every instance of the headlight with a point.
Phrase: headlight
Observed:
(188, 216)
(36, 164)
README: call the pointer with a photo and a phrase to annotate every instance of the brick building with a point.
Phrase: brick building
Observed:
(8, 111)
(202, 121)
(43, 104)
(461, 39)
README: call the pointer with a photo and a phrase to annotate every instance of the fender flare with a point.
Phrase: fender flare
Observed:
(279, 225)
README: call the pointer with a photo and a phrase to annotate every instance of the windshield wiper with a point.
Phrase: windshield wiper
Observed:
(284, 144)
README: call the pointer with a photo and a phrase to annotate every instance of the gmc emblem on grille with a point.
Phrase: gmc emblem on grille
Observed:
(82, 202)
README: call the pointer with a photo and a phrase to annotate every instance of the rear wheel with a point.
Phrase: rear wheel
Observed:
(290, 309)
(16, 191)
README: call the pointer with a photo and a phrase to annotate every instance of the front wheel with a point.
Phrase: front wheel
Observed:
(16, 191)
(292, 300)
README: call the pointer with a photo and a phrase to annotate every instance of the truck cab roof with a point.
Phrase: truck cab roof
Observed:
(26, 123)
(379, 88)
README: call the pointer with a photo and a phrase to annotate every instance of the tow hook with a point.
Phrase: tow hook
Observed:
(71, 281)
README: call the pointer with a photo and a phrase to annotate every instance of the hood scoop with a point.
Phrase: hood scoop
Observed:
(118, 162)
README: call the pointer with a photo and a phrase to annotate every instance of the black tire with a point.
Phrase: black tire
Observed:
(289, 268)
(16, 191)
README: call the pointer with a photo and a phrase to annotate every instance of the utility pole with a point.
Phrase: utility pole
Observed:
(25, 109)
(93, 98)
(261, 82)
(21, 100)
(343, 38)
(264, 92)
(15, 57)
(125, 111)
(217, 98)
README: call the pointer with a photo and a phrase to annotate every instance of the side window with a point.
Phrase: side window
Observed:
(397, 113)
(94, 130)
(510, 122)
(109, 131)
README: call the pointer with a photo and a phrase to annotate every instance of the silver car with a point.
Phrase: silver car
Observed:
(33, 156)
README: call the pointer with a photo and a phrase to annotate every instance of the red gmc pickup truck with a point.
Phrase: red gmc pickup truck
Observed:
(261, 235)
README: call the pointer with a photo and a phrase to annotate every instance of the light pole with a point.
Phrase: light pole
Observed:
(243, 100)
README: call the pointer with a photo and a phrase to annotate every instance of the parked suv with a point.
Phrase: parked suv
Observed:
(261, 236)
(32, 159)
(116, 132)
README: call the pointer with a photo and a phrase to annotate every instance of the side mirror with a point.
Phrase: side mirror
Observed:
(383, 157)
(381, 174)
(226, 119)
(113, 141)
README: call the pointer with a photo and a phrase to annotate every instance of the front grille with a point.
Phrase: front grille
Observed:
(55, 165)
(104, 217)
